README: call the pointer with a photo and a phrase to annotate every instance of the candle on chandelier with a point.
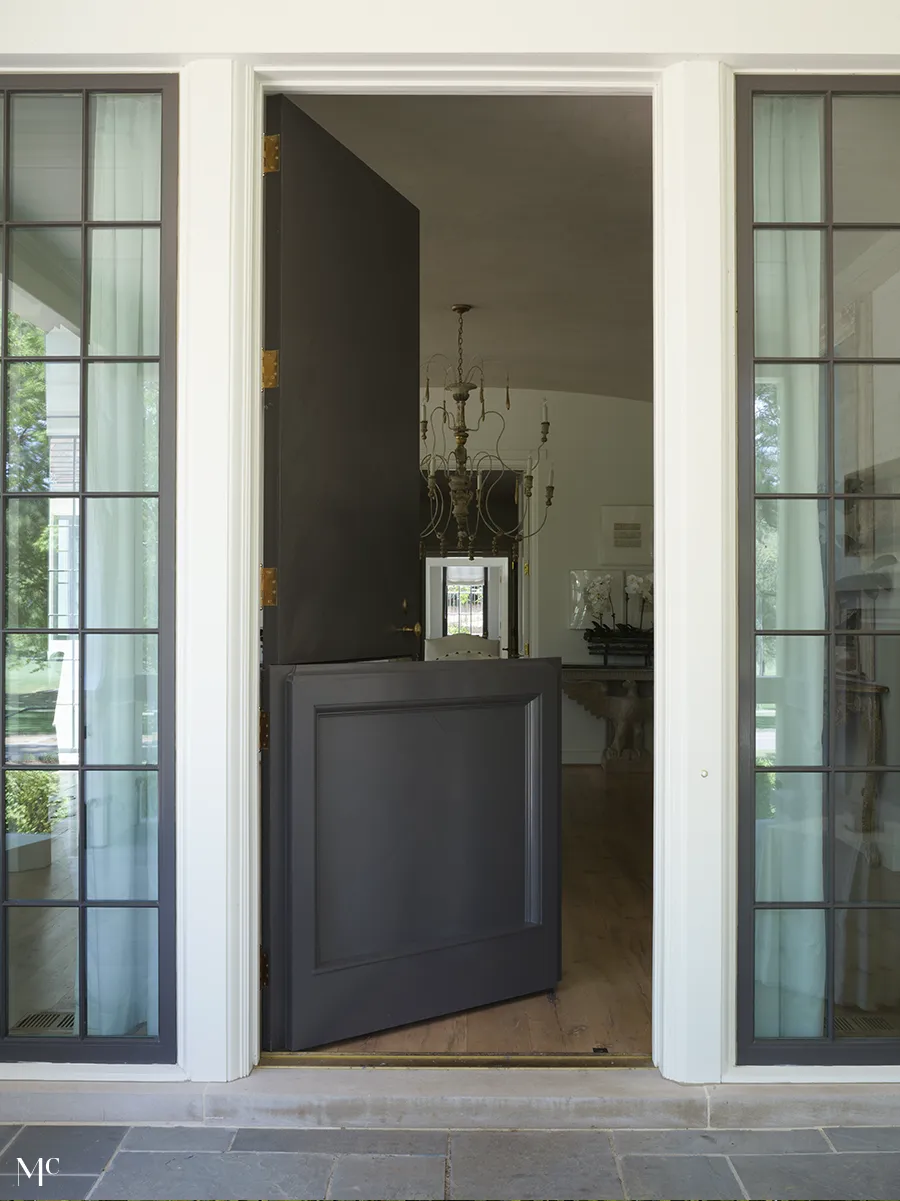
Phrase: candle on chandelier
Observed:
(424, 411)
(545, 413)
(550, 480)
(478, 483)
(529, 470)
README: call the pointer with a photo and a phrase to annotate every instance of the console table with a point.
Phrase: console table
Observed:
(622, 697)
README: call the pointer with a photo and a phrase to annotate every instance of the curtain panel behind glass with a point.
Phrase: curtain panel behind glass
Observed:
(87, 202)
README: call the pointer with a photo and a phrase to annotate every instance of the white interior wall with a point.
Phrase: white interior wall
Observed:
(601, 449)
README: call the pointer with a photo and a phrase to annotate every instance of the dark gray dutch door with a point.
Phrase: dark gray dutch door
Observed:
(87, 202)
(411, 810)
(819, 364)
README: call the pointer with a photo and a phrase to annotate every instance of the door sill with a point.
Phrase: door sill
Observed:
(336, 1059)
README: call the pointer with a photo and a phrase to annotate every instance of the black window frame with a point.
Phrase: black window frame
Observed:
(81, 1047)
(829, 1050)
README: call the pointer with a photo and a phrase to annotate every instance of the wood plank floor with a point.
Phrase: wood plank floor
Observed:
(603, 999)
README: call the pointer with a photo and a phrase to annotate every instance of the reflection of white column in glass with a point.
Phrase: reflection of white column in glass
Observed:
(62, 401)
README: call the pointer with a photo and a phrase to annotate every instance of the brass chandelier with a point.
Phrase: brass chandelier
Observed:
(460, 482)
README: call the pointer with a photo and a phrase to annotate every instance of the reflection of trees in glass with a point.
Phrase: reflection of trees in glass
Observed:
(28, 470)
(767, 481)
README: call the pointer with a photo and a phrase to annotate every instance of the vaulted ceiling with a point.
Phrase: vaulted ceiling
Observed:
(536, 210)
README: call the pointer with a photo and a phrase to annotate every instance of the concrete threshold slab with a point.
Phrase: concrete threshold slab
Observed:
(458, 1098)
(455, 1098)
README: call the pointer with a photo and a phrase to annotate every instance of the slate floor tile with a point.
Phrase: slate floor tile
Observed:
(865, 1138)
(850, 1177)
(505, 1165)
(55, 1188)
(7, 1134)
(709, 1177)
(718, 1142)
(343, 1142)
(77, 1148)
(388, 1177)
(178, 1138)
(207, 1176)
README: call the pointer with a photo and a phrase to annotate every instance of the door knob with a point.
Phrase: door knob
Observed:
(416, 629)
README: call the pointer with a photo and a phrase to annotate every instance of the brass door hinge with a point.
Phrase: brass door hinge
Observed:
(270, 369)
(271, 153)
(526, 568)
(268, 587)
(263, 968)
(527, 649)
(263, 730)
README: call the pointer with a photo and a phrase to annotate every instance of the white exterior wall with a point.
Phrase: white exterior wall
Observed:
(226, 53)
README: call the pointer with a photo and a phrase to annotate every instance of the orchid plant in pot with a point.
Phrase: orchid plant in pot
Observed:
(598, 601)
(638, 591)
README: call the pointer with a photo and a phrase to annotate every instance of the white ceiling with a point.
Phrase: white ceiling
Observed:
(537, 210)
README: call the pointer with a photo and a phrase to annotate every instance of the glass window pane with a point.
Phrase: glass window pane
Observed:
(791, 710)
(42, 427)
(866, 293)
(788, 179)
(867, 973)
(122, 563)
(44, 317)
(791, 564)
(42, 835)
(789, 961)
(122, 814)
(45, 156)
(867, 576)
(866, 158)
(42, 563)
(42, 722)
(790, 830)
(790, 294)
(124, 292)
(867, 689)
(120, 694)
(125, 156)
(867, 836)
(867, 428)
(43, 971)
(123, 427)
(791, 414)
(122, 973)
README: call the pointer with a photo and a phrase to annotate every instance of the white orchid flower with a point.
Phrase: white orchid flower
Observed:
(634, 585)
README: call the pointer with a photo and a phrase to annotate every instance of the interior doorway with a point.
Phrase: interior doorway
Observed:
(582, 346)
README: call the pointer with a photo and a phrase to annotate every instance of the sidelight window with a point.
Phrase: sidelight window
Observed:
(86, 382)
(819, 395)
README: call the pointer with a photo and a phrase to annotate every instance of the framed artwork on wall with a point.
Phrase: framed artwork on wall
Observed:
(626, 534)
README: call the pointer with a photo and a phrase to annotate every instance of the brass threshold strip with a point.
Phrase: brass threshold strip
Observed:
(338, 1059)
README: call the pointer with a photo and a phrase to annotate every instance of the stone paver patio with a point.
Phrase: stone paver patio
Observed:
(217, 1163)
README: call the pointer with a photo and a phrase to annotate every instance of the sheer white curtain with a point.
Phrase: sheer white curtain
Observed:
(790, 944)
(120, 567)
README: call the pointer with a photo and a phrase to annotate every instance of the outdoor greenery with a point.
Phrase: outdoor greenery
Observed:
(33, 802)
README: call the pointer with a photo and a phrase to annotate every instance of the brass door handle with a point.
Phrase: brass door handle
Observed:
(416, 629)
